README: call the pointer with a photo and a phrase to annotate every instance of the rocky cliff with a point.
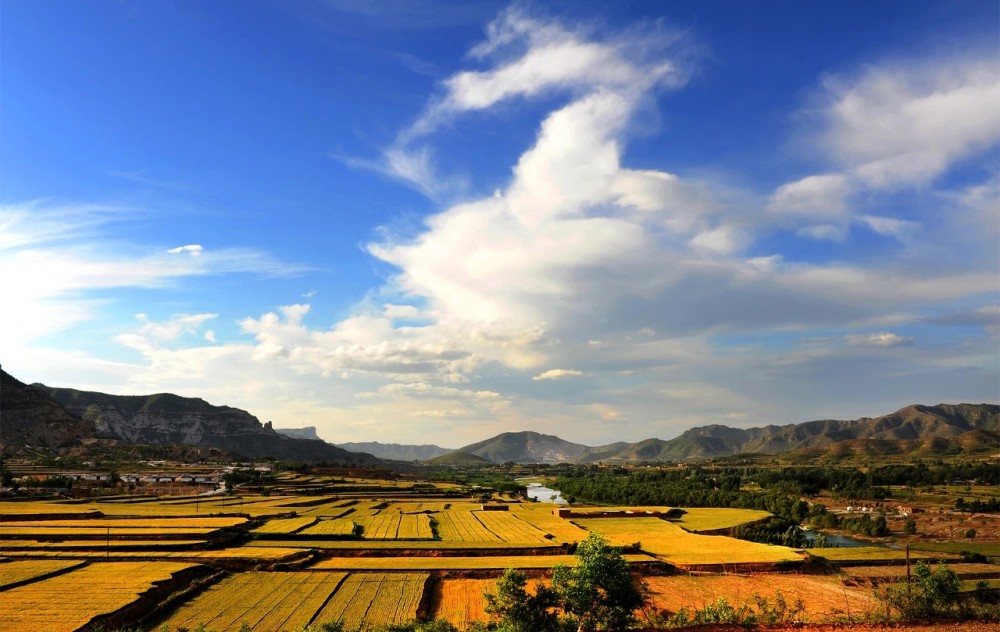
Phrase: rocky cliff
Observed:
(29, 418)
(165, 418)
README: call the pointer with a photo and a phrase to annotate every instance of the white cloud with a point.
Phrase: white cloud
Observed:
(879, 339)
(814, 196)
(193, 249)
(905, 123)
(558, 374)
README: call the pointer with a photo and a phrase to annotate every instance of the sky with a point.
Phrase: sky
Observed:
(432, 222)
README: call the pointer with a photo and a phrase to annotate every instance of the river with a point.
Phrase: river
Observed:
(543, 494)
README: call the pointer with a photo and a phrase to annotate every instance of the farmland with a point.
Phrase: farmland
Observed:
(264, 601)
(68, 601)
(374, 552)
(673, 544)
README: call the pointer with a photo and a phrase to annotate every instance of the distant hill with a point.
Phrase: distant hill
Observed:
(526, 447)
(309, 432)
(397, 451)
(30, 417)
(458, 457)
(168, 419)
(919, 430)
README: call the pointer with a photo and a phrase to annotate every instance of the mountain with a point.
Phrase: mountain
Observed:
(30, 417)
(309, 432)
(168, 419)
(458, 457)
(396, 451)
(914, 430)
(527, 447)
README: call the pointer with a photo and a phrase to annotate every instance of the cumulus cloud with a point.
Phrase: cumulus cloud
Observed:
(558, 374)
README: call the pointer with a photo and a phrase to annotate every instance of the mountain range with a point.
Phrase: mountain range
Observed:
(916, 429)
(39, 416)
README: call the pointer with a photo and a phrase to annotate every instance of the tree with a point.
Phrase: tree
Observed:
(517, 610)
(600, 592)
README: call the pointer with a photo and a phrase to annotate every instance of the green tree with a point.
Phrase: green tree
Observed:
(516, 610)
(600, 592)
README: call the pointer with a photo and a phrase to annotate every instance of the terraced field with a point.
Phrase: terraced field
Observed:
(96, 589)
(370, 600)
(341, 527)
(823, 596)
(398, 526)
(264, 601)
(673, 544)
(487, 527)
(284, 526)
(458, 563)
(862, 554)
(24, 571)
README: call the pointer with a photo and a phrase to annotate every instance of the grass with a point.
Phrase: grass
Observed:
(673, 544)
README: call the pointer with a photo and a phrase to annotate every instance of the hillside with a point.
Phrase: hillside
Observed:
(945, 429)
(30, 417)
(526, 447)
(168, 419)
(458, 457)
(309, 432)
(396, 451)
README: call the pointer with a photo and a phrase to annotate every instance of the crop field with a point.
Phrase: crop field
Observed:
(697, 519)
(861, 554)
(369, 600)
(63, 545)
(463, 527)
(462, 601)
(135, 523)
(540, 516)
(398, 526)
(15, 530)
(284, 526)
(242, 553)
(343, 527)
(989, 549)
(487, 527)
(23, 571)
(14, 508)
(510, 528)
(265, 601)
(898, 572)
(824, 597)
(96, 589)
(431, 545)
(673, 544)
(457, 563)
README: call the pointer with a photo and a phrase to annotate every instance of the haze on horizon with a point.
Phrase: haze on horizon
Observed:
(432, 222)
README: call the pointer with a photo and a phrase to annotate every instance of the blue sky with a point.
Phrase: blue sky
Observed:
(436, 221)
